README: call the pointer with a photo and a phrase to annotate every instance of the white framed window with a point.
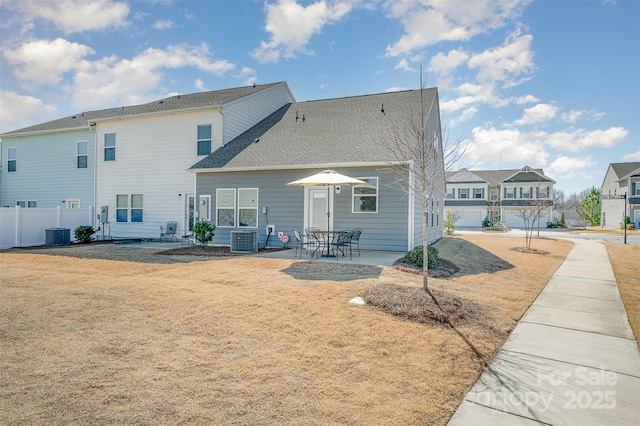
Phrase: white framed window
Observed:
(494, 195)
(526, 192)
(463, 193)
(27, 204)
(82, 154)
(12, 159)
(226, 207)
(129, 208)
(509, 192)
(478, 193)
(247, 207)
(451, 193)
(109, 147)
(635, 188)
(204, 139)
(365, 197)
(542, 192)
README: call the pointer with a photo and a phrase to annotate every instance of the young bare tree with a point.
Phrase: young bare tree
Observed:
(419, 168)
(528, 216)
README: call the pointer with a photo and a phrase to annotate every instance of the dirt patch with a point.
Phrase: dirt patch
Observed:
(242, 340)
(211, 251)
(625, 261)
(529, 250)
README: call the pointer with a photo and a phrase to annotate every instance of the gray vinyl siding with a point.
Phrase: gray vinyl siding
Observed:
(46, 170)
(242, 114)
(385, 230)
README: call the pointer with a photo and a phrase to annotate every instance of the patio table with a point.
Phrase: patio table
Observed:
(326, 237)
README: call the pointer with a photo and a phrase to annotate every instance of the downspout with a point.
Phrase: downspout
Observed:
(92, 128)
(411, 213)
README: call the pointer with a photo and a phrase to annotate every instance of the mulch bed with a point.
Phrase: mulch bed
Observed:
(529, 250)
(445, 269)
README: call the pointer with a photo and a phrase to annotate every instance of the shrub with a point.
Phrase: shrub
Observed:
(203, 233)
(83, 233)
(486, 223)
(415, 257)
(627, 223)
(448, 223)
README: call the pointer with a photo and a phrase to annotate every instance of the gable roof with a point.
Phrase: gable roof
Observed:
(191, 101)
(329, 132)
(623, 170)
(496, 177)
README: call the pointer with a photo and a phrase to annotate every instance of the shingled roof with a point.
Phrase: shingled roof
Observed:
(623, 169)
(173, 103)
(496, 177)
(323, 132)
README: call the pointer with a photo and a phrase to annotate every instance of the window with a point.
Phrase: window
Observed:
(226, 207)
(542, 192)
(248, 207)
(81, 155)
(136, 207)
(463, 193)
(494, 195)
(526, 192)
(129, 208)
(478, 193)
(109, 147)
(204, 139)
(122, 208)
(432, 212)
(635, 188)
(27, 204)
(12, 159)
(451, 193)
(365, 197)
(509, 193)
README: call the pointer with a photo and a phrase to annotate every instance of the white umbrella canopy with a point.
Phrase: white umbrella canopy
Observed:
(327, 178)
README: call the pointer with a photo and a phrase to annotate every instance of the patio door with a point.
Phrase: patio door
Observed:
(189, 210)
(317, 205)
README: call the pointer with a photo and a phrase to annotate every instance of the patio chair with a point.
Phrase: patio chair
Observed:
(355, 238)
(302, 242)
(169, 232)
(341, 242)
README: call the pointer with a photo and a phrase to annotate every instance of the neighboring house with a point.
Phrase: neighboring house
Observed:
(478, 196)
(48, 165)
(621, 181)
(136, 156)
(242, 186)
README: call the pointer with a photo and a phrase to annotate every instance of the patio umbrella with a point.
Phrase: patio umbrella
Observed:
(327, 178)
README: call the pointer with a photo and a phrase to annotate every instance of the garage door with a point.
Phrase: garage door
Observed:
(470, 218)
(512, 220)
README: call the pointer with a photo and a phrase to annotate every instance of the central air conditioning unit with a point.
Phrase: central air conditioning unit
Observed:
(244, 242)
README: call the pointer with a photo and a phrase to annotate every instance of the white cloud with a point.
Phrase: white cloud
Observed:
(199, 84)
(498, 147)
(512, 59)
(292, 25)
(163, 24)
(24, 111)
(568, 167)
(404, 65)
(572, 116)
(444, 64)
(537, 114)
(528, 99)
(112, 81)
(634, 156)
(42, 62)
(249, 75)
(429, 22)
(581, 139)
(73, 16)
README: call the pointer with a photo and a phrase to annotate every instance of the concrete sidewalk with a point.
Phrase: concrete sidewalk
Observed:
(571, 360)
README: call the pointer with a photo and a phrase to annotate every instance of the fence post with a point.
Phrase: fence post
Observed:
(17, 229)
(58, 217)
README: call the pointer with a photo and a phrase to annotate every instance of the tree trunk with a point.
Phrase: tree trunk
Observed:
(425, 243)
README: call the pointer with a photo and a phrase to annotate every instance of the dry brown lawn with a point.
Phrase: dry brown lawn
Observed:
(245, 340)
(625, 261)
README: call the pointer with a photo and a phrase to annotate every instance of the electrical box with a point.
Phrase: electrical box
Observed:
(271, 229)
(104, 214)
(264, 210)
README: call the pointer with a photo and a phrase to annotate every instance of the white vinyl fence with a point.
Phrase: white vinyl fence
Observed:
(25, 227)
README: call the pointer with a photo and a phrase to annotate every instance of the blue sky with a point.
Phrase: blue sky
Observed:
(551, 84)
